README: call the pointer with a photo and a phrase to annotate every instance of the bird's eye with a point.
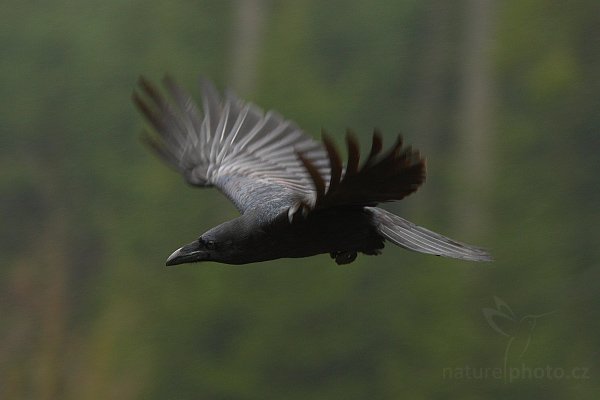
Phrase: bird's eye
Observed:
(210, 244)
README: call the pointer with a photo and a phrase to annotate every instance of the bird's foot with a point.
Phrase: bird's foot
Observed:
(372, 252)
(343, 257)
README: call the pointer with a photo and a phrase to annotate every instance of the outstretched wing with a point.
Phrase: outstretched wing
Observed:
(249, 155)
(391, 176)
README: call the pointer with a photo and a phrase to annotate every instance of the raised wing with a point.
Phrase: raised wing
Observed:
(249, 155)
(387, 177)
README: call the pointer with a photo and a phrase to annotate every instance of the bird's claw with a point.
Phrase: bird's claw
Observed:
(343, 257)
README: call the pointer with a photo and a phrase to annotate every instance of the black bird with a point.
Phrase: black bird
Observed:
(295, 197)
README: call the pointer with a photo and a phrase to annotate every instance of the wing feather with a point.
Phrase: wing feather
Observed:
(391, 176)
(232, 145)
(263, 161)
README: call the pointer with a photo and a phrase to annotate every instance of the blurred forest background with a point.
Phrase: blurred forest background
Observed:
(503, 97)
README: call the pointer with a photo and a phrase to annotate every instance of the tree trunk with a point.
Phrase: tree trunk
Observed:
(429, 106)
(246, 46)
(474, 150)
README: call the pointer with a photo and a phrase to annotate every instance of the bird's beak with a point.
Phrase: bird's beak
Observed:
(187, 254)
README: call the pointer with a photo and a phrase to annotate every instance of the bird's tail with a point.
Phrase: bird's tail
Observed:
(416, 238)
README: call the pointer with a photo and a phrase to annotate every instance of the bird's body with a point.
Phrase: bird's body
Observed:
(338, 231)
(295, 197)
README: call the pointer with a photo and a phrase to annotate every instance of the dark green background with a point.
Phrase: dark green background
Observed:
(511, 132)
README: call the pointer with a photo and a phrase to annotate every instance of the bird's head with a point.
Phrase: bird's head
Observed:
(229, 243)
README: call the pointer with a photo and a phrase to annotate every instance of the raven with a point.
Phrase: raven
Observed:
(295, 196)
